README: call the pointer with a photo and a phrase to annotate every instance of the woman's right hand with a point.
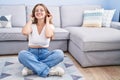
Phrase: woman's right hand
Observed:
(31, 18)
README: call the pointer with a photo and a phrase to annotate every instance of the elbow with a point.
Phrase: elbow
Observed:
(49, 33)
(25, 33)
(48, 36)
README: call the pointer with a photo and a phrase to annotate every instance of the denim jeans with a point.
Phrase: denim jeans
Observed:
(40, 60)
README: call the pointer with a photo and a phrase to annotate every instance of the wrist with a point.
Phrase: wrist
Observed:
(30, 21)
(47, 22)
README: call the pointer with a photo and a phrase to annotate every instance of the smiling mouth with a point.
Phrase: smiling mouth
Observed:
(39, 15)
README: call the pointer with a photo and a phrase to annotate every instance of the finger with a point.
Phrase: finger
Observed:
(49, 15)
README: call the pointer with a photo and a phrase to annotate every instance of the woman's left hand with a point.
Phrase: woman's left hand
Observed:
(48, 18)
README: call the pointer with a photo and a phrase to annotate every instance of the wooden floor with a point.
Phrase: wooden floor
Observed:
(98, 73)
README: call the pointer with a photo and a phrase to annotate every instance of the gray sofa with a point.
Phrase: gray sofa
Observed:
(89, 46)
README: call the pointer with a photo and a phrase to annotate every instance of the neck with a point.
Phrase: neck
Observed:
(40, 22)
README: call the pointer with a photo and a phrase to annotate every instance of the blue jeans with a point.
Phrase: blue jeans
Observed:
(40, 60)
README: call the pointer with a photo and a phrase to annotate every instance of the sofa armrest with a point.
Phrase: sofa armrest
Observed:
(115, 25)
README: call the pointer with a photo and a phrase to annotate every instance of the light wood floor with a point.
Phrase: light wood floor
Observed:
(98, 73)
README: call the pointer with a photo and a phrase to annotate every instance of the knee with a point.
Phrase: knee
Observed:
(22, 55)
(60, 54)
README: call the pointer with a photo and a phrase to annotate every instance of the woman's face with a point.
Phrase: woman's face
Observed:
(40, 12)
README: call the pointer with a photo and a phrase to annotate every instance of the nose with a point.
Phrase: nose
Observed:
(39, 11)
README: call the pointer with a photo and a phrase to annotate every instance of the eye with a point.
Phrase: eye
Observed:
(39, 10)
(36, 10)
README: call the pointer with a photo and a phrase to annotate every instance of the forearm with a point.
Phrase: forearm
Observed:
(27, 29)
(48, 31)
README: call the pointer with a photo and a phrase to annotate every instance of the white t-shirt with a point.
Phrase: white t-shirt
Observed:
(36, 39)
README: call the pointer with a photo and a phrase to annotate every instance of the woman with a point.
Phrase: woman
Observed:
(38, 59)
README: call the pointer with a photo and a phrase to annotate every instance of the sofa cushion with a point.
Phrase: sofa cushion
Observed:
(5, 21)
(115, 25)
(18, 13)
(107, 17)
(95, 39)
(61, 34)
(73, 15)
(11, 34)
(93, 18)
(54, 10)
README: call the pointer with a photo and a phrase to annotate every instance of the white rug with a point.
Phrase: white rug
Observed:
(10, 69)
